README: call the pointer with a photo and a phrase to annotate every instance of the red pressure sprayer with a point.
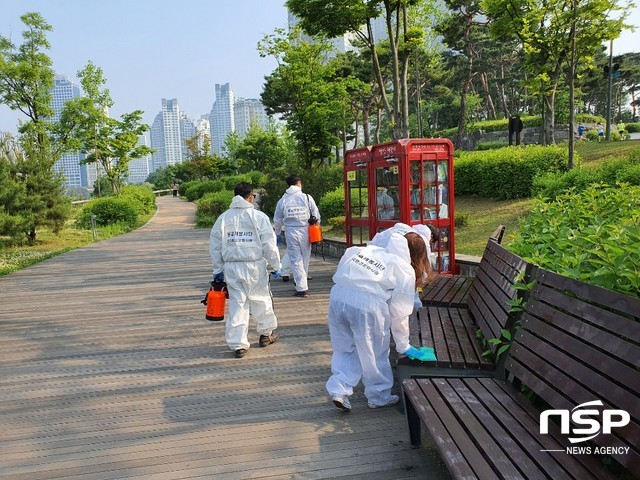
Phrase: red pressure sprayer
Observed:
(215, 301)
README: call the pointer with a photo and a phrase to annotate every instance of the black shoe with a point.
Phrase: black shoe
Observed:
(309, 278)
(241, 352)
(285, 278)
(301, 294)
(266, 340)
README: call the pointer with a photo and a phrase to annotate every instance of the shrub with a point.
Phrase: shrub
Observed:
(491, 145)
(211, 206)
(506, 173)
(337, 224)
(109, 211)
(626, 170)
(633, 127)
(592, 236)
(142, 196)
(233, 180)
(332, 204)
(197, 190)
(461, 219)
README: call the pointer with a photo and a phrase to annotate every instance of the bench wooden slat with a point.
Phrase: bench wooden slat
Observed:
(485, 363)
(472, 358)
(447, 290)
(521, 420)
(612, 366)
(580, 464)
(456, 356)
(576, 383)
(616, 301)
(467, 416)
(437, 333)
(603, 317)
(484, 414)
(470, 460)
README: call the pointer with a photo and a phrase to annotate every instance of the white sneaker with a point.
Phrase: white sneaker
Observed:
(393, 399)
(341, 401)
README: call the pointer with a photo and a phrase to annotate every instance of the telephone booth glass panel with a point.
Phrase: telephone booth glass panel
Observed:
(387, 193)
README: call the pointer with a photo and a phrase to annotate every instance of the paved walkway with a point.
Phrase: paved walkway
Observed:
(108, 370)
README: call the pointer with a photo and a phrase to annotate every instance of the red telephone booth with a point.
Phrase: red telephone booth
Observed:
(408, 181)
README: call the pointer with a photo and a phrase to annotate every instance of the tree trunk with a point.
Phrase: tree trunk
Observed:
(397, 122)
(491, 109)
(572, 80)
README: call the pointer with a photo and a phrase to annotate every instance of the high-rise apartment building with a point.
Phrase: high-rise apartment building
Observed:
(140, 168)
(221, 118)
(169, 130)
(203, 130)
(248, 112)
(76, 174)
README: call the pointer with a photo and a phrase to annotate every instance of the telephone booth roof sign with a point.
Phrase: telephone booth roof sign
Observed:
(358, 156)
(397, 148)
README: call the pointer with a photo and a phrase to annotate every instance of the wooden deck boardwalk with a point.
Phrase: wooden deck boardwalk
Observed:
(108, 370)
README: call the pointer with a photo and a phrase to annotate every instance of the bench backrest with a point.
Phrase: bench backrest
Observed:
(580, 343)
(498, 233)
(493, 287)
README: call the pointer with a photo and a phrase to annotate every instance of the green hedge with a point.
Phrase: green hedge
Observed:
(506, 173)
(196, 190)
(592, 236)
(211, 206)
(109, 211)
(633, 127)
(624, 171)
(142, 196)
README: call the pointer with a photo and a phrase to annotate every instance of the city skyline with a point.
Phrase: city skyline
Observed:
(159, 48)
(165, 49)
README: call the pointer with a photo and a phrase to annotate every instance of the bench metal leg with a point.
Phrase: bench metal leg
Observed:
(413, 421)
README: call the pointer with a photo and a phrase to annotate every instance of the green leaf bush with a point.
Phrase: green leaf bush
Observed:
(633, 127)
(506, 173)
(211, 206)
(198, 189)
(332, 204)
(592, 236)
(626, 170)
(109, 211)
(142, 196)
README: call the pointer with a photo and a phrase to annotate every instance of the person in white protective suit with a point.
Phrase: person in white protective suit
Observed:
(427, 232)
(293, 212)
(372, 297)
(242, 247)
(386, 205)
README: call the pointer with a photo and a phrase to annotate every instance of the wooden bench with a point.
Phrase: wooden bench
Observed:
(577, 343)
(451, 331)
(453, 290)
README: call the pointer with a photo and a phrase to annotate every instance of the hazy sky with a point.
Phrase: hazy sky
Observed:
(154, 49)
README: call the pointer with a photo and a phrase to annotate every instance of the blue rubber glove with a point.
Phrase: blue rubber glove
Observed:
(218, 277)
(423, 354)
(279, 239)
(276, 274)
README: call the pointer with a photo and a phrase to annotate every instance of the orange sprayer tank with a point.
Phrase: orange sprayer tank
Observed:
(216, 301)
(315, 233)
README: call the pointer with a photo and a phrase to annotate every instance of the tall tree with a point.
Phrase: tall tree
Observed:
(306, 92)
(545, 31)
(26, 81)
(108, 142)
(334, 19)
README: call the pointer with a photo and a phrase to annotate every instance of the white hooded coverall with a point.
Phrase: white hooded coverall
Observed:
(372, 296)
(292, 213)
(242, 246)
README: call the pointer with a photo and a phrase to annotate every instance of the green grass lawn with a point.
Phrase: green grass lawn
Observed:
(594, 153)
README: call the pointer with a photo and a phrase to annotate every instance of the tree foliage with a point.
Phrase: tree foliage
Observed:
(107, 142)
(32, 195)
